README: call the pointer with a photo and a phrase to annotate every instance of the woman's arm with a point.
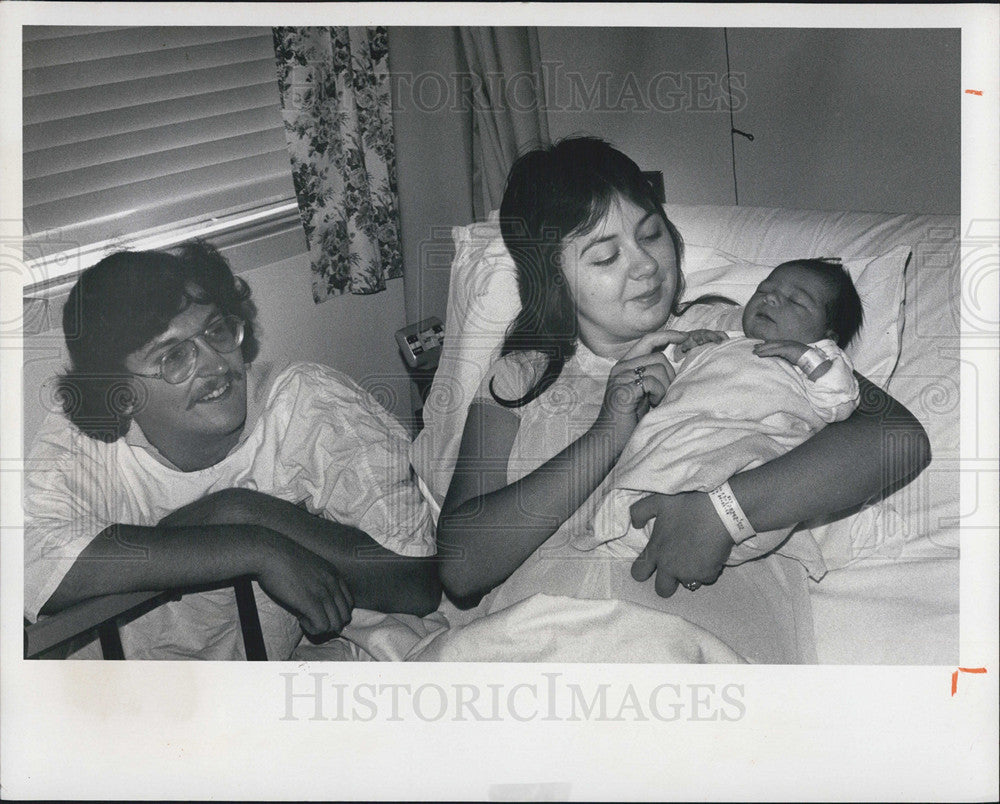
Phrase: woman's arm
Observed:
(132, 558)
(848, 464)
(488, 528)
(878, 449)
(378, 578)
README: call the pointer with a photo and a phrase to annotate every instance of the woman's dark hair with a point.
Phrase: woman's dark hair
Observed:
(554, 192)
(844, 311)
(119, 305)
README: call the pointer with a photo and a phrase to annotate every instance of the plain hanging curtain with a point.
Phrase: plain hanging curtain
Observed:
(508, 105)
(334, 84)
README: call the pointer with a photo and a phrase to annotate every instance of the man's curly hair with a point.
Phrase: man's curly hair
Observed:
(122, 303)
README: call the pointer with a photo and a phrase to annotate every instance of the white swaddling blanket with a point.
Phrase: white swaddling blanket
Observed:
(551, 628)
(761, 611)
(726, 411)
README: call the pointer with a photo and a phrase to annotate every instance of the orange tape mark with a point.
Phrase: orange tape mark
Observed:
(973, 92)
(954, 675)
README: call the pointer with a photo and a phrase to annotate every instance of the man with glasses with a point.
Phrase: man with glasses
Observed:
(176, 463)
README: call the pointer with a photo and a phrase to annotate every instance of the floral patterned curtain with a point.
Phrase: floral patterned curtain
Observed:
(334, 84)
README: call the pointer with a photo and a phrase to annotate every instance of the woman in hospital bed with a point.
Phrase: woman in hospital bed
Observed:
(739, 399)
(599, 278)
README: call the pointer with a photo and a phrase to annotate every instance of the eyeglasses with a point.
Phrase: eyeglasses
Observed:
(224, 335)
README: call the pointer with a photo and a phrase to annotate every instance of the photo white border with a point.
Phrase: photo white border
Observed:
(189, 730)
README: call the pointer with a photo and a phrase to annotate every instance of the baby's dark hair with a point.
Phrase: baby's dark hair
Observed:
(122, 303)
(844, 312)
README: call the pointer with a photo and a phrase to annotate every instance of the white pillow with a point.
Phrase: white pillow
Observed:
(879, 281)
(482, 301)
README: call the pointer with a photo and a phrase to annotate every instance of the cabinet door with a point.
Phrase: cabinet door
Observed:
(861, 119)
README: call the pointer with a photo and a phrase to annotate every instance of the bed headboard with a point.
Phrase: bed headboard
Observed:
(760, 233)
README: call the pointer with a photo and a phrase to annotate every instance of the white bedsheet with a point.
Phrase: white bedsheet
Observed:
(882, 611)
(546, 628)
(541, 628)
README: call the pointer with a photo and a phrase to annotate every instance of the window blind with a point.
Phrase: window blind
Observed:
(132, 130)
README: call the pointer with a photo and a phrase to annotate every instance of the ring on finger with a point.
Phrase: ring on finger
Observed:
(639, 371)
(640, 382)
(692, 585)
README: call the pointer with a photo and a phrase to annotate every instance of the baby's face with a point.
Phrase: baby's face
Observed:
(789, 305)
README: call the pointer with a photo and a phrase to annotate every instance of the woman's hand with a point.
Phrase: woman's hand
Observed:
(689, 543)
(638, 382)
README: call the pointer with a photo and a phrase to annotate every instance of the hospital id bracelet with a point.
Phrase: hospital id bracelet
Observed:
(729, 511)
(811, 360)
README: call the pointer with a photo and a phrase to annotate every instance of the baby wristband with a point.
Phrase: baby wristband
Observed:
(811, 360)
(729, 511)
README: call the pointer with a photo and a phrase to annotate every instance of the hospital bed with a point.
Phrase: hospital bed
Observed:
(55, 636)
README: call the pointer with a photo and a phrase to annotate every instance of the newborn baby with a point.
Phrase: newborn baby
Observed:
(740, 399)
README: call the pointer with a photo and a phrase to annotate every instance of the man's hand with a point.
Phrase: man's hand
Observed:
(697, 337)
(300, 580)
(376, 577)
(688, 543)
(310, 587)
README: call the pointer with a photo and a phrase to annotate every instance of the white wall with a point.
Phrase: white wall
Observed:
(652, 108)
(855, 120)
(354, 334)
(865, 120)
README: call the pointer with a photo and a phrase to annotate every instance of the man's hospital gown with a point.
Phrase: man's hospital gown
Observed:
(312, 436)
(726, 411)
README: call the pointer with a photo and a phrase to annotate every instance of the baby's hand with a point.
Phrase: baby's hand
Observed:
(787, 350)
(697, 337)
